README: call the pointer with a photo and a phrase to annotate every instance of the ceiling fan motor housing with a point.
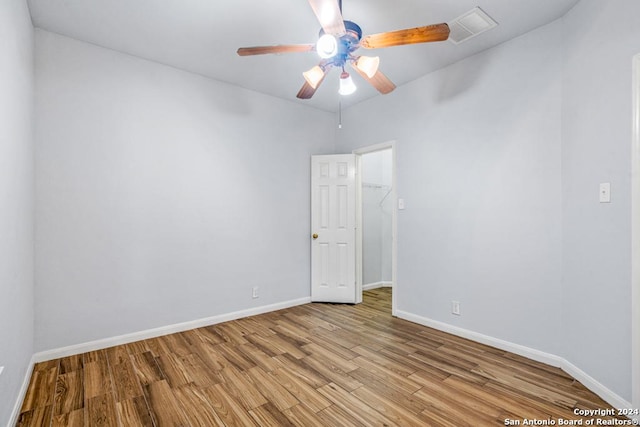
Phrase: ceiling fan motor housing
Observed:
(347, 43)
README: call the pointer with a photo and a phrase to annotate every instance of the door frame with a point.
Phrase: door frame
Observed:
(359, 152)
(635, 236)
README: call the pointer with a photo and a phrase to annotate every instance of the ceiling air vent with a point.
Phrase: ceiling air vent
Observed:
(470, 25)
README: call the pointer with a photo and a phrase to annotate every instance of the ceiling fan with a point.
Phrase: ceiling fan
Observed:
(337, 42)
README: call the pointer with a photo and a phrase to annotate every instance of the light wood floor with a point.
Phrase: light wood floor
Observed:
(311, 365)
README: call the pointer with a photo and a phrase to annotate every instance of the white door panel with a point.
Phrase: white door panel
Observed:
(333, 220)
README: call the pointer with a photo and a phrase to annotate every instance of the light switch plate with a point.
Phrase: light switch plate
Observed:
(455, 308)
(605, 192)
(401, 204)
(1, 369)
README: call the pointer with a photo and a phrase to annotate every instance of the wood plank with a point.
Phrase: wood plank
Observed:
(387, 375)
(70, 364)
(117, 355)
(230, 411)
(331, 372)
(336, 416)
(101, 411)
(97, 379)
(400, 395)
(388, 407)
(41, 388)
(300, 389)
(136, 347)
(146, 368)
(198, 372)
(173, 370)
(380, 359)
(302, 370)
(327, 357)
(271, 389)
(72, 419)
(176, 344)
(69, 394)
(355, 407)
(163, 405)
(259, 357)
(197, 408)
(506, 377)
(125, 381)
(301, 415)
(269, 415)
(40, 416)
(241, 387)
(236, 358)
(459, 397)
(134, 412)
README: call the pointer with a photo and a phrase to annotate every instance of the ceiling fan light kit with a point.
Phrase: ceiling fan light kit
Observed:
(347, 86)
(339, 39)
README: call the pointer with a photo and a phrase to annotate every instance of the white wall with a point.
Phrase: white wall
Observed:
(162, 196)
(16, 200)
(376, 217)
(599, 43)
(478, 161)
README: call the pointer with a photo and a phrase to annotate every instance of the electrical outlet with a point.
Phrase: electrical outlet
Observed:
(254, 292)
(455, 308)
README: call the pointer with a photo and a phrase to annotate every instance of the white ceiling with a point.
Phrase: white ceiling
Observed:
(202, 36)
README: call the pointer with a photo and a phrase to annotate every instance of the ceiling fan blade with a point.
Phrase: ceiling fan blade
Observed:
(329, 15)
(307, 90)
(429, 33)
(283, 48)
(379, 81)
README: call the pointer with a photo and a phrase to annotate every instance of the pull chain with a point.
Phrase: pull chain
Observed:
(340, 114)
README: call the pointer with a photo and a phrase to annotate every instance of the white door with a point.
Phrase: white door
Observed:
(333, 222)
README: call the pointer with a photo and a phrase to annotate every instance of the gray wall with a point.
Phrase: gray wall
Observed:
(478, 164)
(600, 40)
(162, 196)
(16, 200)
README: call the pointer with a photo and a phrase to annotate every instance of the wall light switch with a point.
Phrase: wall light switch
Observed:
(401, 204)
(455, 308)
(605, 192)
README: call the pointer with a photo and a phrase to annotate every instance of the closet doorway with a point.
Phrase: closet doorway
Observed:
(376, 202)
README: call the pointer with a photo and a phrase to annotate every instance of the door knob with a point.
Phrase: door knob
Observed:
(315, 236)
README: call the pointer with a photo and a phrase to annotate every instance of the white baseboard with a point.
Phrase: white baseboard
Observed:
(13, 419)
(595, 386)
(550, 359)
(376, 285)
(164, 330)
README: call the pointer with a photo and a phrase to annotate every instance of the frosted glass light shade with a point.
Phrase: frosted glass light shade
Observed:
(368, 65)
(327, 46)
(347, 87)
(314, 76)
